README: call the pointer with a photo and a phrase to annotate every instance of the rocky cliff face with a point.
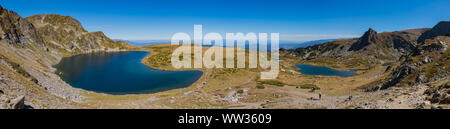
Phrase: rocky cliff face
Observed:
(16, 30)
(427, 63)
(370, 37)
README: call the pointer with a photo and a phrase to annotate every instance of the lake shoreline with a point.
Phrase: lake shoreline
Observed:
(142, 62)
(314, 70)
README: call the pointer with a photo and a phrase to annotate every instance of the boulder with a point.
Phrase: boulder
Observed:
(445, 100)
(433, 107)
(3, 102)
(4, 99)
(390, 100)
(397, 76)
(435, 97)
(436, 94)
(420, 79)
(426, 59)
(18, 103)
(420, 106)
(444, 46)
(369, 37)
(3, 106)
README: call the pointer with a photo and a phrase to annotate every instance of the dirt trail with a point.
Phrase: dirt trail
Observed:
(394, 98)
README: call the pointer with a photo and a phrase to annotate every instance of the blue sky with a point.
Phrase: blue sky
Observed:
(299, 20)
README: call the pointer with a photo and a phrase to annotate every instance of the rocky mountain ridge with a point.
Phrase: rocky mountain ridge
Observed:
(441, 29)
(376, 47)
(66, 34)
(16, 30)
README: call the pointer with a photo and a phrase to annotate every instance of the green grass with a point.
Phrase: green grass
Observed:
(430, 71)
(260, 86)
(309, 86)
(372, 84)
(22, 71)
(19, 69)
(240, 91)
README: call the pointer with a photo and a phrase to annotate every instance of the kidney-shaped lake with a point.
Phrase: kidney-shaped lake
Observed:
(120, 73)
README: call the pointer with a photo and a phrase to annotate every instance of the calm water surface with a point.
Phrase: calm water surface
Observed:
(120, 73)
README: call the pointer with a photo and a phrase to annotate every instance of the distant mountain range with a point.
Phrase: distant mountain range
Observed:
(283, 44)
(287, 45)
(140, 43)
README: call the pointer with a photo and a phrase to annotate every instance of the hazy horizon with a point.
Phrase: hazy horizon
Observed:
(296, 21)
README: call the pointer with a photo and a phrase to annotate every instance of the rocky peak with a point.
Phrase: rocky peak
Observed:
(56, 21)
(440, 29)
(16, 30)
(369, 37)
(99, 33)
(370, 32)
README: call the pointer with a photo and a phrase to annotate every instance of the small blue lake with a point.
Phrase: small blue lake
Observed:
(120, 73)
(325, 71)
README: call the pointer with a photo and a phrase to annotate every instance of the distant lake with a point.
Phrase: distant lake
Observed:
(325, 71)
(120, 73)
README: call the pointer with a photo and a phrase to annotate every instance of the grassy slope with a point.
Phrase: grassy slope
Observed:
(220, 82)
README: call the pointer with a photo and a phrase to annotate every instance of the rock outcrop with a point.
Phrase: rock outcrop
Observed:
(439, 94)
(441, 29)
(66, 35)
(16, 30)
(18, 103)
(372, 47)
(369, 37)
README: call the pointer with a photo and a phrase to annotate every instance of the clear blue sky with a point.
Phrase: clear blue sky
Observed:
(294, 20)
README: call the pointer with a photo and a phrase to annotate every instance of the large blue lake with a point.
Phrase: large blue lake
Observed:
(325, 71)
(120, 73)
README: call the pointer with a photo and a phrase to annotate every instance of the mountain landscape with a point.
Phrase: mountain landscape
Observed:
(29, 48)
(414, 57)
(400, 69)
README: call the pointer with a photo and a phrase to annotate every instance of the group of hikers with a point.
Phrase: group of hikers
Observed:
(320, 94)
(350, 97)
